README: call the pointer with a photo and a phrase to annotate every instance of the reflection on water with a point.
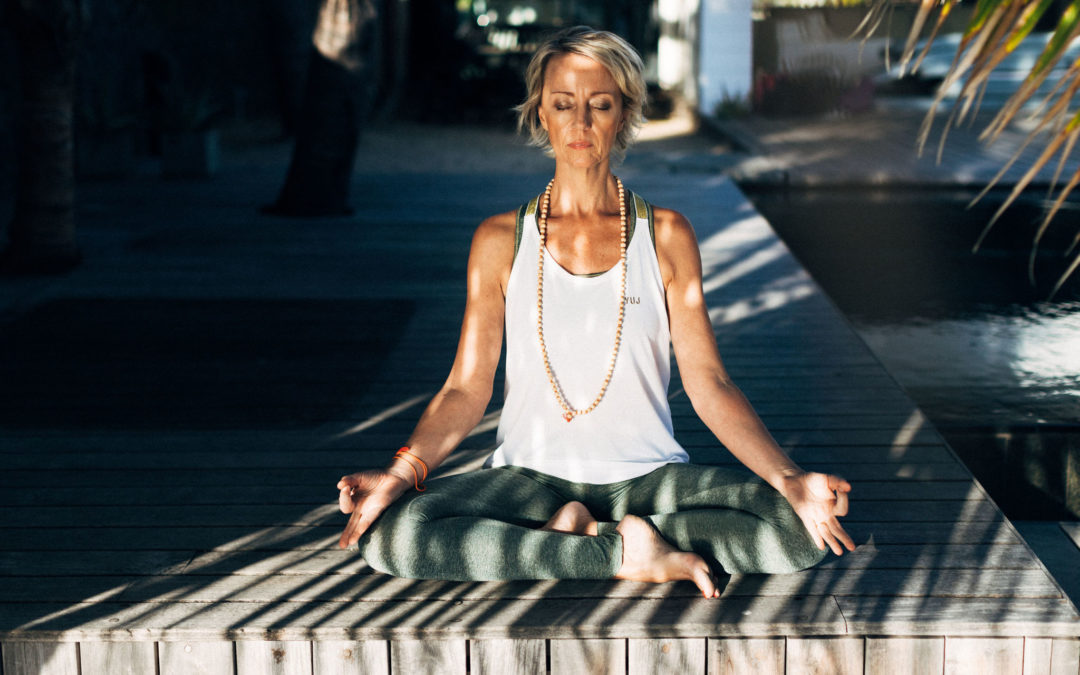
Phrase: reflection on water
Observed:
(999, 364)
(994, 365)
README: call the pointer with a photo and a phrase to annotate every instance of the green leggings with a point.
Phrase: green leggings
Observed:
(482, 526)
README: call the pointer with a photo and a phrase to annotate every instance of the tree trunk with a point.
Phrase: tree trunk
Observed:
(335, 103)
(41, 236)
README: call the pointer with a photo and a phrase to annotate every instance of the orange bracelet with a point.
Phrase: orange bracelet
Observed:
(403, 454)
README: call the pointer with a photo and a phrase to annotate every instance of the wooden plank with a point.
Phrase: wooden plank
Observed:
(919, 583)
(508, 657)
(304, 538)
(427, 657)
(40, 658)
(269, 515)
(588, 657)
(1065, 657)
(196, 658)
(935, 556)
(118, 658)
(665, 655)
(67, 563)
(349, 657)
(339, 657)
(324, 563)
(914, 583)
(117, 494)
(323, 538)
(1038, 655)
(52, 589)
(905, 656)
(115, 467)
(273, 657)
(894, 490)
(857, 445)
(924, 511)
(900, 470)
(999, 532)
(965, 655)
(825, 656)
(959, 616)
(283, 619)
(736, 656)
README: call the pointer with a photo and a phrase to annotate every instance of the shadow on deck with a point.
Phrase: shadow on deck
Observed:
(173, 428)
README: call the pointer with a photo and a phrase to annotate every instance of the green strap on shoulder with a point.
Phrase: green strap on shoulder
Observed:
(643, 208)
(519, 227)
(639, 208)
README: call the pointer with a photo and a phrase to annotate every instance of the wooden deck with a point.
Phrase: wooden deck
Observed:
(174, 415)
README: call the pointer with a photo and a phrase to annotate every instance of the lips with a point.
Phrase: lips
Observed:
(579, 145)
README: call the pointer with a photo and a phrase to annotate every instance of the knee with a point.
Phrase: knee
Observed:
(800, 552)
(392, 542)
(794, 544)
(797, 548)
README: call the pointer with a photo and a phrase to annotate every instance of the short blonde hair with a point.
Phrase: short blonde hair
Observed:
(607, 49)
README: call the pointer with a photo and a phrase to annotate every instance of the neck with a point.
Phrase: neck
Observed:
(584, 192)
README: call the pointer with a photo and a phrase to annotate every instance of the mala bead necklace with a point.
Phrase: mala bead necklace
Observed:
(570, 413)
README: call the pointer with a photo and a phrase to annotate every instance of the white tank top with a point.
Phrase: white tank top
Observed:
(629, 433)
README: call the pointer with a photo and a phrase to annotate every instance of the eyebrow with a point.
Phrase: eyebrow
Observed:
(595, 93)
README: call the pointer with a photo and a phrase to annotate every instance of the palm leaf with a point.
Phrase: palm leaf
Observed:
(995, 30)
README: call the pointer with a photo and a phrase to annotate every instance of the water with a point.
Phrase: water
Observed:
(992, 361)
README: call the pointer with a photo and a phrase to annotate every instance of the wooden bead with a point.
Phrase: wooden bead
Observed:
(545, 205)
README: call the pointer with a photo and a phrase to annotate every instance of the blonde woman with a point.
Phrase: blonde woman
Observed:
(591, 286)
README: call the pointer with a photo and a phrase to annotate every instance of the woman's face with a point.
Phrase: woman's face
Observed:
(581, 109)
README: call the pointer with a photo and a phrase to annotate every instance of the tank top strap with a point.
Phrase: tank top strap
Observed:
(640, 214)
(643, 215)
(526, 213)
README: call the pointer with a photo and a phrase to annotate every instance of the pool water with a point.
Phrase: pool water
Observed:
(989, 358)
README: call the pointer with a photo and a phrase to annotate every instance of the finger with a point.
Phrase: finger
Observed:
(841, 506)
(811, 528)
(840, 533)
(359, 523)
(838, 483)
(346, 503)
(366, 519)
(827, 535)
(840, 536)
(347, 481)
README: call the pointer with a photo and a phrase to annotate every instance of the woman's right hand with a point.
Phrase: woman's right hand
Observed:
(366, 495)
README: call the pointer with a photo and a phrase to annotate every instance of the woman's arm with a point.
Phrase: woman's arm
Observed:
(817, 498)
(460, 403)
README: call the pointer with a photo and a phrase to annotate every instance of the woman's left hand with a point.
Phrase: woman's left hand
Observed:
(819, 499)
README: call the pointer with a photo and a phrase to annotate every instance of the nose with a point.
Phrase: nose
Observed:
(584, 116)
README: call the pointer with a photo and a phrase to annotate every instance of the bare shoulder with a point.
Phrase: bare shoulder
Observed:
(676, 243)
(670, 224)
(496, 231)
(493, 246)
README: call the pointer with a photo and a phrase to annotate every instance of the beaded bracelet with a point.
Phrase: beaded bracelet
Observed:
(404, 455)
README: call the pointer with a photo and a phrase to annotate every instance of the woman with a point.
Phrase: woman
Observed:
(592, 286)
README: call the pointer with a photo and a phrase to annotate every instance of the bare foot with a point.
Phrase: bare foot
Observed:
(572, 518)
(648, 557)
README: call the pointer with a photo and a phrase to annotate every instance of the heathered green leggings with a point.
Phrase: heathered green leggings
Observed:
(482, 526)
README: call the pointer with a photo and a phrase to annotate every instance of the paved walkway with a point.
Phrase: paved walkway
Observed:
(879, 149)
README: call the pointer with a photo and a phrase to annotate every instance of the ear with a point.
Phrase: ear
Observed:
(543, 118)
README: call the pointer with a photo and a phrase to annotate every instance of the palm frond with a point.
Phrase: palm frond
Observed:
(995, 31)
